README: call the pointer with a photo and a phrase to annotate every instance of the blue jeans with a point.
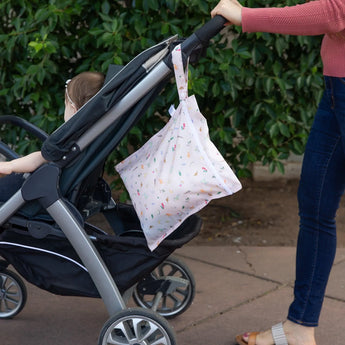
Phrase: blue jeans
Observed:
(321, 186)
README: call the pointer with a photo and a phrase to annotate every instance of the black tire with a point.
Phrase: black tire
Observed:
(13, 294)
(171, 304)
(136, 326)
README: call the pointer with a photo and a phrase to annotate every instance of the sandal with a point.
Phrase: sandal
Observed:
(277, 333)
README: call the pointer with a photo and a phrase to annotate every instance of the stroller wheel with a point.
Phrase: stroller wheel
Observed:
(12, 294)
(169, 289)
(137, 326)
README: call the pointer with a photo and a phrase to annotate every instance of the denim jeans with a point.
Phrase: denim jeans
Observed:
(321, 186)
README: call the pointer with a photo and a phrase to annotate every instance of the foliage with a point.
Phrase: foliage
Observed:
(258, 91)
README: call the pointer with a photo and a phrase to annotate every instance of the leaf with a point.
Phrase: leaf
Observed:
(280, 167)
(274, 130)
(38, 46)
(42, 14)
(105, 7)
(284, 129)
(268, 85)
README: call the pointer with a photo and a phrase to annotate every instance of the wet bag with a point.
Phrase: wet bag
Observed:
(179, 170)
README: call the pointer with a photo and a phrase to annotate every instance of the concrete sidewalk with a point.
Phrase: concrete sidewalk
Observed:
(238, 289)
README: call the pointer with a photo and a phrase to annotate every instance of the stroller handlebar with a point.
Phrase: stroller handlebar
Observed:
(200, 37)
(210, 29)
(203, 35)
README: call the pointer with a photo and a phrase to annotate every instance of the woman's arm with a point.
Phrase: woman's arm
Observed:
(24, 164)
(311, 18)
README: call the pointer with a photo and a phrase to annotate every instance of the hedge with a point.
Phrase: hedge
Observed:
(258, 91)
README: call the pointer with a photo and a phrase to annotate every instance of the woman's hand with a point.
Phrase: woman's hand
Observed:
(229, 9)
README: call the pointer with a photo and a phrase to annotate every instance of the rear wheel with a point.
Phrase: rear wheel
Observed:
(12, 294)
(169, 289)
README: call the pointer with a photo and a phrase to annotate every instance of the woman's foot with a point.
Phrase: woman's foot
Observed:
(295, 334)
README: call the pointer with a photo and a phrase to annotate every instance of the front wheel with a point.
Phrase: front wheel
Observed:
(137, 326)
(12, 294)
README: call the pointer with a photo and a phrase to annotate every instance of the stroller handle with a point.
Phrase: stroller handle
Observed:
(199, 39)
(203, 35)
(210, 29)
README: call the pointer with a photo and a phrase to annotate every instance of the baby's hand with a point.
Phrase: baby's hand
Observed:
(5, 168)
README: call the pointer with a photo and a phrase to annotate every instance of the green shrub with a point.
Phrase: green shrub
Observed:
(258, 91)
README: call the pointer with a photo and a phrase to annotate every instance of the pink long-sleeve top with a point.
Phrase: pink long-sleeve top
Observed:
(319, 17)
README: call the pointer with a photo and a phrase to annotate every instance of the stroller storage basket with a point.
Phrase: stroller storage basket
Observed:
(53, 265)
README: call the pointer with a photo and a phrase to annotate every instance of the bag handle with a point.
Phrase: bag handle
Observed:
(181, 75)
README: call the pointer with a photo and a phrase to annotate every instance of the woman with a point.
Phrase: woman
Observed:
(77, 92)
(322, 180)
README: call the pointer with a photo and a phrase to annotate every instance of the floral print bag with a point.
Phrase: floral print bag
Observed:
(178, 171)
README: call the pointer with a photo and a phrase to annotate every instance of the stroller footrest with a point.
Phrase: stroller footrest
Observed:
(37, 229)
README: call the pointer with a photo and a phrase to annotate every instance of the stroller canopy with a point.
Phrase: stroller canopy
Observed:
(62, 147)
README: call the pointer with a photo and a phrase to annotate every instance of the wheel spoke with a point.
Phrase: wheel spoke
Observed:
(161, 341)
(115, 340)
(3, 281)
(150, 328)
(183, 292)
(171, 272)
(8, 288)
(7, 308)
(177, 302)
(126, 330)
(164, 303)
(11, 300)
(13, 294)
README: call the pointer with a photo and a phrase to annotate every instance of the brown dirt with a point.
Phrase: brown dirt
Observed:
(261, 214)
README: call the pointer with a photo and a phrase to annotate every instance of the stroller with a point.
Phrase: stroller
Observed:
(44, 229)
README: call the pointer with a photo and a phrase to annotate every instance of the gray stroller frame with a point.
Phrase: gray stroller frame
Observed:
(138, 326)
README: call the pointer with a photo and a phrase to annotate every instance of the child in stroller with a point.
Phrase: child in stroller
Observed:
(77, 92)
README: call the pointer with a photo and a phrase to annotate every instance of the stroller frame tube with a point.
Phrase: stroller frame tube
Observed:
(89, 255)
(156, 75)
(11, 206)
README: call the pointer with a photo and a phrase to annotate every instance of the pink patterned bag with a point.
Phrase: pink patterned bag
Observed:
(178, 171)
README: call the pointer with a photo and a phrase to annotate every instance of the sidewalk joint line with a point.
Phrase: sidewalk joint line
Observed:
(232, 269)
(229, 309)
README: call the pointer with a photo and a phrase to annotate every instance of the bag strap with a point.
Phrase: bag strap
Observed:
(181, 75)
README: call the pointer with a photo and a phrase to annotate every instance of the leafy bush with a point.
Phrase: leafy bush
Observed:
(258, 91)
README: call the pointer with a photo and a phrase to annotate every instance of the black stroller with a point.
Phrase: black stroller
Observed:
(44, 228)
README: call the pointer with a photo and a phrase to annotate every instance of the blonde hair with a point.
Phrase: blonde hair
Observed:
(84, 86)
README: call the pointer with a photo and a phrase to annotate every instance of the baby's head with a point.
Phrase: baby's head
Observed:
(80, 89)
